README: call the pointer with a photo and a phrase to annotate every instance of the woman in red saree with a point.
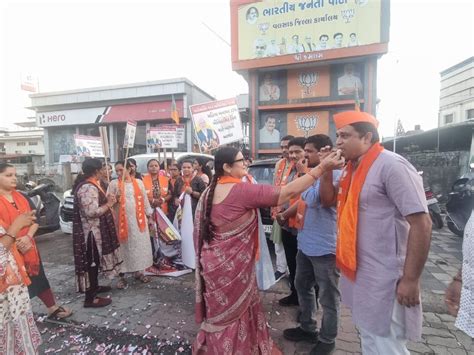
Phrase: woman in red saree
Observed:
(226, 241)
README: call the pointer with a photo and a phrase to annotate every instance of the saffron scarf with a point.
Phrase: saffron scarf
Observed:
(140, 209)
(281, 179)
(350, 187)
(163, 182)
(8, 213)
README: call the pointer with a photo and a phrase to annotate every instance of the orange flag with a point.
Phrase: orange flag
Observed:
(356, 99)
(174, 111)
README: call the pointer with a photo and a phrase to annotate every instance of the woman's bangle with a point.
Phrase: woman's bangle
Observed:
(9, 235)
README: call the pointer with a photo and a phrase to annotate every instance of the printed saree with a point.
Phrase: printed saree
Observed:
(228, 305)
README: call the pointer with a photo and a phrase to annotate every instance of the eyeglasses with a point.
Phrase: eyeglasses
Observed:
(239, 160)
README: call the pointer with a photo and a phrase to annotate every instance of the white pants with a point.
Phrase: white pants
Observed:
(394, 344)
(281, 265)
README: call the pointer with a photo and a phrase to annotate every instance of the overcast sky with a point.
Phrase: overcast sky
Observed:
(81, 44)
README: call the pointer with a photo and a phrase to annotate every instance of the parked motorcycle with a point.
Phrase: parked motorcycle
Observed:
(433, 206)
(459, 205)
(46, 204)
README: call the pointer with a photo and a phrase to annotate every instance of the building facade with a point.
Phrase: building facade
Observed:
(22, 142)
(456, 102)
(304, 62)
(81, 112)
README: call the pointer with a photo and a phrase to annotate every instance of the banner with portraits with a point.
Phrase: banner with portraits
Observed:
(88, 146)
(130, 131)
(216, 123)
(277, 28)
(162, 137)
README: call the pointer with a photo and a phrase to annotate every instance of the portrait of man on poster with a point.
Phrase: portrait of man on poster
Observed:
(269, 133)
(348, 83)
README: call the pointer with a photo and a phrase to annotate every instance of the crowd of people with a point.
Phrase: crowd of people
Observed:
(350, 224)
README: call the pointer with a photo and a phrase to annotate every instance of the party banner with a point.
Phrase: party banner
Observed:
(217, 123)
(167, 230)
(130, 132)
(183, 222)
(276, 28)
(179, 131)
(162, 137)
(88, 146)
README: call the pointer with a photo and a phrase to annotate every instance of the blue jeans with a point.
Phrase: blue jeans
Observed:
(320, 271)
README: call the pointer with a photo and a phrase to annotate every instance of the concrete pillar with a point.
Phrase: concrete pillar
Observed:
(148, 148)
(48, 148)
(66, 167)
(112, 144)
(189, 135)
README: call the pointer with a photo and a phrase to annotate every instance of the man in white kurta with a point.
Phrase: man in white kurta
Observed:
(392, 241)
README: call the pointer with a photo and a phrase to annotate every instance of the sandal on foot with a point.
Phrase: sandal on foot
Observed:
(60, 313)
(103, 289)
(122, 284)
(143, 278)
(98, 302)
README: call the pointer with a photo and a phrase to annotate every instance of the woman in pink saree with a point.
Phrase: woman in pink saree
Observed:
(228, 305)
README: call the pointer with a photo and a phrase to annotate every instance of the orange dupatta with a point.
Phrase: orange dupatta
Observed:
(8, 213)
(140, 209)
(281, 180)
(163, 181)
(232, 180)
(350, 187)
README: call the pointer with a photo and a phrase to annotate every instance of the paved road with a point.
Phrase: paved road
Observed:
(158, 316)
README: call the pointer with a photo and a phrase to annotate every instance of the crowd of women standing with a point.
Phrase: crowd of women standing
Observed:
(113, 234)
(114, 229)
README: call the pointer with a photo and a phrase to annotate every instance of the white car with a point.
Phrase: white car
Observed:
(66, 212)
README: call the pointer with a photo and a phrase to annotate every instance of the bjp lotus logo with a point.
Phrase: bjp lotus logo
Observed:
(347, 15)
(307, 80)
(306, 123)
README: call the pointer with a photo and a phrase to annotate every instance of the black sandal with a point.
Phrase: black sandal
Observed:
(60, 309)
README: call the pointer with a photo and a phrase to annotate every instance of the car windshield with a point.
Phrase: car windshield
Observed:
(262, 173)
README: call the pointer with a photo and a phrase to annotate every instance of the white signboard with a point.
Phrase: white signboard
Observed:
(88, 146)
(29, 82)
(162, 137)
(130, 131)
(181, 133)
(217, 123)
(70, 117)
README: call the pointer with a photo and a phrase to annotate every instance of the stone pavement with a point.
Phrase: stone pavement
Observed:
(159, 315)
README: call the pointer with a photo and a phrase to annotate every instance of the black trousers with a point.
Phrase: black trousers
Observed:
(290, 244)
(93, 262)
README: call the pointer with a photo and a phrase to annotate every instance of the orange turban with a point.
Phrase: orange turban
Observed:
(348, 117)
